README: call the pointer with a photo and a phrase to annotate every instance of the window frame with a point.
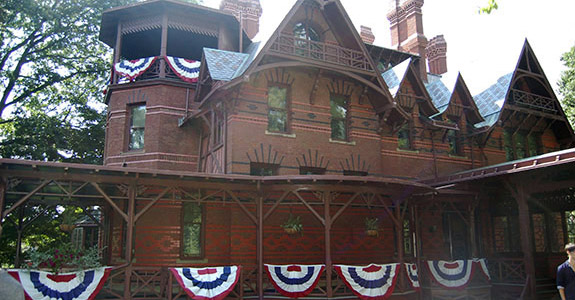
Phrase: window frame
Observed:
(131, 127)
(286, 110)
(273, 167)
(405, 128)
(345, 120)
(311, 170)
(183, 255)
(355, 173)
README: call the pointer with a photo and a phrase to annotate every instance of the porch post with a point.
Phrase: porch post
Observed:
(526, 236)
(117, 51)
(260, 247)
(20, 231)
(399, 234)
(472, 233)
(327, 238)
(129, 240)
(164, 45)
(2, 200)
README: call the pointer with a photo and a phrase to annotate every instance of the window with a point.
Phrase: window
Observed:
(137, 124)
(338, 109)
(306, 35)
(305, 32)
(453, 142)
(520, 142)
(263, 169)
(534, 144)
(192, 220)
(404, 138)
(354, 173)
(277, 109)
(506, 234)
(311, 171)
(407, 237)
(508, 144)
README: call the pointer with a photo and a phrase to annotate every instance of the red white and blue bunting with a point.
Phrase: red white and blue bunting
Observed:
(369, 282)
(451, 274)
(133, 68)
(412, 275)
(188, 70)
(294, 281)
(482, 262)
(82, 285)
(207, 283)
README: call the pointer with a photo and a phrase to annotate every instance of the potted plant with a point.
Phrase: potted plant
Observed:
(67, 220)
(64, 258)
(371, 226)
(292, 225)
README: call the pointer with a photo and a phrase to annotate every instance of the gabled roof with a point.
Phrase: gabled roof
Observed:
(443, 97)
(394, 76)
(490, 102)
(343, 30)
(438, 91)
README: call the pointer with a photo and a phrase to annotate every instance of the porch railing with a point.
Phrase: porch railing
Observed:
(333, 54)
(154, 72)
(507, 270)
(533, 101)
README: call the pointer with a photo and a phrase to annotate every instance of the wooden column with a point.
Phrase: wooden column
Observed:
(328, 263)
(526, 236)
(129, 240)
(19, 230)
(521, 195)
(399, 246)
(117, 50)
(472, 233)
(2, 200)
(260, 245)
(164, 45)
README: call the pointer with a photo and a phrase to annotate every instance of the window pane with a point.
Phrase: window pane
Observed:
(192, 213)
(277, 121)
(192, 240)
(534, 141)
(338, 107)
(277, 97)
(338, 130)
(403, 138)
(452, 140)
(508, 144)
(136, 138)
(520, 145)
(138, 116)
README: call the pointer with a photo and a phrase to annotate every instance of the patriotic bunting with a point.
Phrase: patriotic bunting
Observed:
(294, 281)
(412, 275)
(207, 283)
(451, 274)
(187, 70)
(369, 282)
(482, 262)
(133, 68)
(82, 285)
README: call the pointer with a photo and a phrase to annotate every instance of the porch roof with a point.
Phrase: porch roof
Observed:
(511, 167)
(98, 173)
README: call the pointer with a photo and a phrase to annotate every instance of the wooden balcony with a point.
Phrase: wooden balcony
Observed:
(533, 101)
(323, 52)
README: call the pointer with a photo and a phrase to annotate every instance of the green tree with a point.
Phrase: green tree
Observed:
(567, 84)
(489, 7)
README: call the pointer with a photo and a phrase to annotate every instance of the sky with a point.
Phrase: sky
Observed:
(482, 47)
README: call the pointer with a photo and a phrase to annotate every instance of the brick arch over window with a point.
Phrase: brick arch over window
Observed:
(309, 164)
(264, 162)
(355, 165)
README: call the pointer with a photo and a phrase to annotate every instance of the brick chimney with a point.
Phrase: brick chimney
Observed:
(406, 25)
(250, 10)
(437, 55)
(366, 35)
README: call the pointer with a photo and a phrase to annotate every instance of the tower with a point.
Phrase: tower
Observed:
(158, 47)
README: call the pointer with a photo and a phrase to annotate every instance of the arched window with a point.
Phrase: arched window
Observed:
(304, 31)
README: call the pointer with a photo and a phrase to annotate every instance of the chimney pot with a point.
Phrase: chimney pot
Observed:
(366, 35)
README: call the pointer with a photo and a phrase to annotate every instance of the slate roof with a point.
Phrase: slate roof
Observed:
(439, 93)
(224, 65)
(490, 101)
(394, 76)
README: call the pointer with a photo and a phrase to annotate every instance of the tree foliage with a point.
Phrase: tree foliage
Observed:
(489, 7)
(567, 84)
